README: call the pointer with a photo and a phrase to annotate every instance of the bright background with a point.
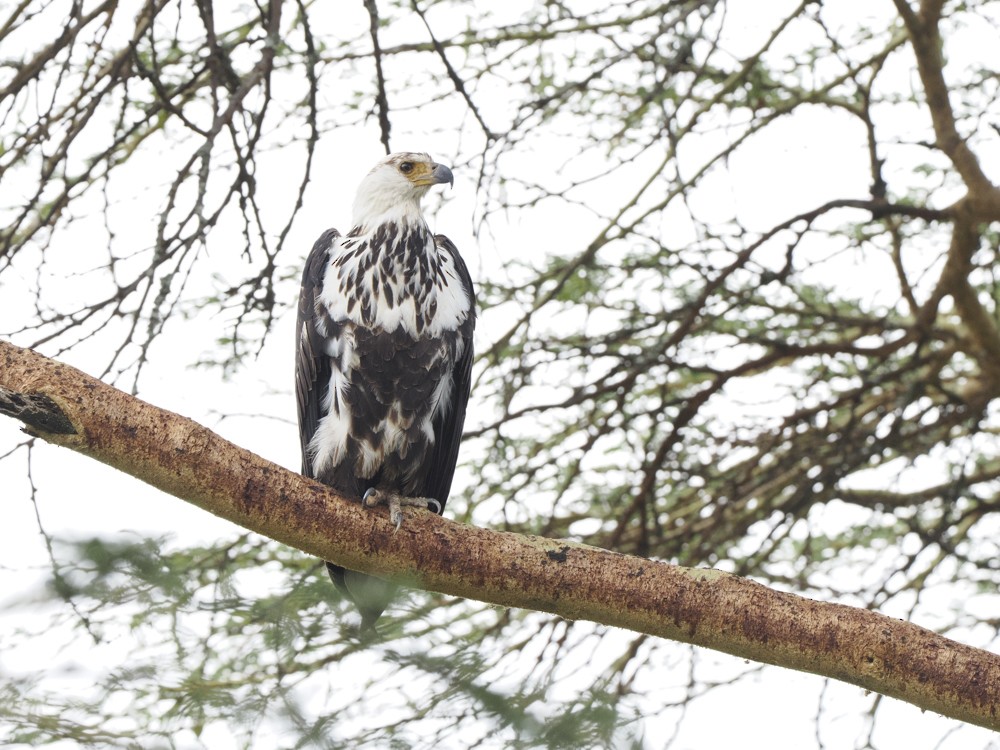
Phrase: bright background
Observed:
(813, 156)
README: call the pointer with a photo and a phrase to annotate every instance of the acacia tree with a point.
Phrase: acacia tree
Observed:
(742, 314)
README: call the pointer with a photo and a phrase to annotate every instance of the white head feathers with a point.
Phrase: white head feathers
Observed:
(394, 187)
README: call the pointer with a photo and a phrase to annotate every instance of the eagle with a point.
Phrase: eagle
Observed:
(384, 356)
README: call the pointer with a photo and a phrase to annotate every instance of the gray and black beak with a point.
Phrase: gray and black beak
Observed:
(441, 173)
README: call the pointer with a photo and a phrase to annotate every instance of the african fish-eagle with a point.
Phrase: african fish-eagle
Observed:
(384, 356)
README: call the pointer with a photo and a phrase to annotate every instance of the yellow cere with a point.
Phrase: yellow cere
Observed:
(421, 173)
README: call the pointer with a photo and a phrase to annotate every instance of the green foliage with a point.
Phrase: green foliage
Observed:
(716, 328)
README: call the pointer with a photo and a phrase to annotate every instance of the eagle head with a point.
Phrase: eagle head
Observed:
(393, 189)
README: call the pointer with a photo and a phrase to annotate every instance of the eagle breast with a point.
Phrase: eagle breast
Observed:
(391, 313)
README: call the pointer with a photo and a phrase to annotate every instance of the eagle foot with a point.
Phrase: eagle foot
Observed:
(395, 502)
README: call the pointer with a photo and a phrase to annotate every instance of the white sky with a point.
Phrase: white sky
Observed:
(78, 498)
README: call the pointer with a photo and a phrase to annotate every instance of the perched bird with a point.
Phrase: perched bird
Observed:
(384, 356)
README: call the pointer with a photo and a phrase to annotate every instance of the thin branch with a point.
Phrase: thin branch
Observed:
(381, 100)
(456, 79)
(62, 587)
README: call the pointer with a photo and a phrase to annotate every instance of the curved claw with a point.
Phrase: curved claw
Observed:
(395, 503)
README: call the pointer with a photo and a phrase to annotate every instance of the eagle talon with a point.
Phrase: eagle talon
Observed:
(395, 502)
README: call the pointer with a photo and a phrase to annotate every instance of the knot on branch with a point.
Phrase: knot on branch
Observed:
(37, 411)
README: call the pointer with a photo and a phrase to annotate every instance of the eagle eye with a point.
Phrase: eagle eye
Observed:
(406, 167)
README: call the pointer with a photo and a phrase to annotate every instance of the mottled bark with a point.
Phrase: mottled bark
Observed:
(699, 606)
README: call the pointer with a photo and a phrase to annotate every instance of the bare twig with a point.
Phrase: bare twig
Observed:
(381, 99)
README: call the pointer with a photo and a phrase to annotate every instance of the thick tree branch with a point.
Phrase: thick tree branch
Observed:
(925, 38)
(983, 335)
(699, 606)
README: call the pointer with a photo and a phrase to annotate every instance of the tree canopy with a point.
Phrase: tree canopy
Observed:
(735, 268)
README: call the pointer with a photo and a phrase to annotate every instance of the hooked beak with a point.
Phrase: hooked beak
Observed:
(441, 173)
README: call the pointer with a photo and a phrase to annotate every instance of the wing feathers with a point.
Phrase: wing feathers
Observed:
(312, 365)
(448, 425)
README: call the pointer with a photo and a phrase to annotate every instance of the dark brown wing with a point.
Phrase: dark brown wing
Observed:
(312, 379)
(448, 427)
(312, 366)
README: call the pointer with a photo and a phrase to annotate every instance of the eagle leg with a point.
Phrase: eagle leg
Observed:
(395, 502)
